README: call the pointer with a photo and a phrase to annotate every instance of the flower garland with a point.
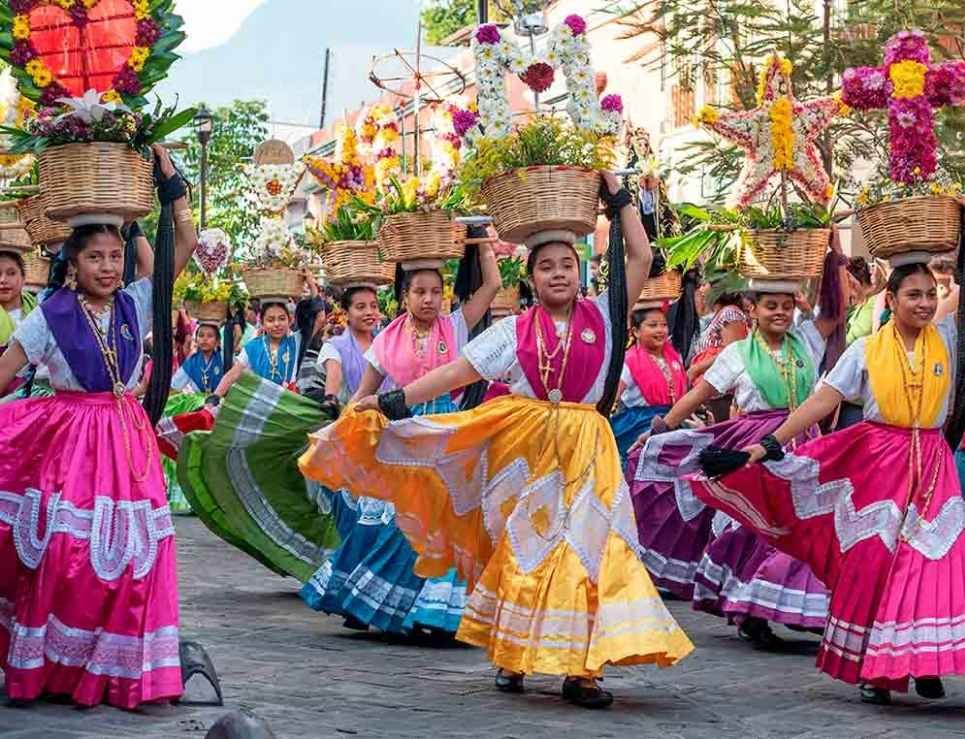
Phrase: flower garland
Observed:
(347, 176)
(567, 49)
(378, 131)
(910, 87)
(157, 35)
(778, 137)
(271, 185)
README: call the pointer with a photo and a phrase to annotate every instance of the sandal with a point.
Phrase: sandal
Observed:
(929, 687)
(509, 682)
(875, 696)
(577, 691)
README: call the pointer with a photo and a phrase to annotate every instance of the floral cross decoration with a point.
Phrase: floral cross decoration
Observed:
(347, 176)
(910, 87)
(778, 136)
(378, 133)
(567, 49)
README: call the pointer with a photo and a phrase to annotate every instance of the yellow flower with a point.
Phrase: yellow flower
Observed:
(141, 9)
(43, 78)
(707, 115)
(864, 197)
(907, 78)
(843, 108)
(65, 4)
(111, 96)
(139, 55)
(410, 189)
(21, 27)
(33, 66)
(782, 133)
(90, 3)
(25, 109)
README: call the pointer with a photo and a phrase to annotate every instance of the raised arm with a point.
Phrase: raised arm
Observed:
(185, 235)
(639, 255)
(827, 325)
(476, 307)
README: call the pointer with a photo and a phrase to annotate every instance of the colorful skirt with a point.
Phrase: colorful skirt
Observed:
(178, 405)
(630, 423)
(242, 479)
(884, 536)
(369, 577)
(526, 500)
(88, 588)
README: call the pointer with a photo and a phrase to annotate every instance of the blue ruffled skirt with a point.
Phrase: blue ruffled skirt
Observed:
(629, 423)
(369, 578)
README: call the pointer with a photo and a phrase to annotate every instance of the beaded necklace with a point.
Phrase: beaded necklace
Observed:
(544, 360)
(273, 360)
(783, 360)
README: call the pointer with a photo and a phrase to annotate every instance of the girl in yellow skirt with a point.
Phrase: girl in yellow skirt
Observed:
(523, 495)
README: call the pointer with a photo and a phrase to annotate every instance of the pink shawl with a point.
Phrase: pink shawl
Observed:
(650, 378)
(587, 350)
(394, 349)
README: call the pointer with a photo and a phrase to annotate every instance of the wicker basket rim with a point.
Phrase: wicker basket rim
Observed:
(912, 199)
(788, 233)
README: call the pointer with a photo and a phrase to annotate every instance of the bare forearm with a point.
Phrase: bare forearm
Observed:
(371, 379)
(145, 257)
(333, 377)
(685, 407)
(230, 378)
(816, 408)
(477, 306)
(440, 381)
(185, 235)
(12, 361)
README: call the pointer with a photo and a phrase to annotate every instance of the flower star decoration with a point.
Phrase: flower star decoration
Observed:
(90, 108)
(911, 88)
(778, 136)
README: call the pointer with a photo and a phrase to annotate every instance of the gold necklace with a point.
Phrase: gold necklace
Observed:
(544, 359)
(417, 336)
(785, 365)
(664, 367)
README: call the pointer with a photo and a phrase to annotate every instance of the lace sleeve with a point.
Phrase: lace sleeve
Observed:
(493, 352)
(34, 337)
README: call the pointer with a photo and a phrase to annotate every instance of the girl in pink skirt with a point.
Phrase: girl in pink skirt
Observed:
(876, 509)
(88, 585)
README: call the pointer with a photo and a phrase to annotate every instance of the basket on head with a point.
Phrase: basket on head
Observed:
(36, 268)
(773, 254)
(355, 262)
(414, 237)
(544, 198)
(214, 311)
(506, 301)
(926, 223)
(660, 289)
(14, 237)
(43, 231)
(273, 282)
(96, 183)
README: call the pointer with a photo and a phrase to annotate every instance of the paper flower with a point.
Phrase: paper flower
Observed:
(271, 185)
(90, 108)
(778, 137)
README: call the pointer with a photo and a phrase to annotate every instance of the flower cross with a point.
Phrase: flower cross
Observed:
(911, 88)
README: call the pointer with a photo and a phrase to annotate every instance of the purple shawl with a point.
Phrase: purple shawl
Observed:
(353, 362)
(76, 341)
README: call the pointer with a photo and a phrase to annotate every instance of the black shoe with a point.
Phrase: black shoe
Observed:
(875, 696)
(929, 687)
(508, 682)
(588, 696)
(351, 622)
(758, 632)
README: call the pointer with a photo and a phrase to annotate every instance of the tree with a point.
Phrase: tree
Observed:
(722, 42)
(442, 18)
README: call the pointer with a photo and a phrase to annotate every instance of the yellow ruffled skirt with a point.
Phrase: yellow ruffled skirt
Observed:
(526, 499)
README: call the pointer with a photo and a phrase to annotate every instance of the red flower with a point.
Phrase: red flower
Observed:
(538, 76)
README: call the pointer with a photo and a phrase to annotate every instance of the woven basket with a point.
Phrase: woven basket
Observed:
(43, 231)
(662, 288)
(784, 255)
(274, 282)
(215, 310)
(526, 201)
(9, 212)
(14, 237)
(347, 262)
(406, 237)
(911, 224)
(506, 301)
(99, 179)
(37, 269)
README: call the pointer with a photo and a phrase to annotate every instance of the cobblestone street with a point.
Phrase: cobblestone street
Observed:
(309, 677)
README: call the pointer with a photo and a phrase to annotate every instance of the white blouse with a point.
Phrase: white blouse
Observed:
(460, 331)
(850, 375)
(728, 375)
(493, 355)
(38, 343)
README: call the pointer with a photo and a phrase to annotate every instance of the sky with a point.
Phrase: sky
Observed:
(273, 50)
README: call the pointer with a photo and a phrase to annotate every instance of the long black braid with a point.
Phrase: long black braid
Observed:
(616, 300)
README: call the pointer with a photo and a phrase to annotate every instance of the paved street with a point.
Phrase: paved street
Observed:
(311, 678)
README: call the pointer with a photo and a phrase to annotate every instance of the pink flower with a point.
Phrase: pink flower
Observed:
(126, 82)
(576, 23)
(463, 121)
(911, 127)
(945, 84)
(487, 33)
(907, 45)
(865, 88)
(147, 32)
(538, 76)
(612, 104)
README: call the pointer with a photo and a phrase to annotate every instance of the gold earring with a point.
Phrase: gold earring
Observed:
(70, 282)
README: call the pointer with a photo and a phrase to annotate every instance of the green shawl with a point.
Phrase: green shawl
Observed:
(27, 303)
(766, 374)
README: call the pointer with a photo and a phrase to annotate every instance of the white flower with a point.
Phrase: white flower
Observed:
(89, 107)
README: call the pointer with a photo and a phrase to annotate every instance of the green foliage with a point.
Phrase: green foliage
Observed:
(726, 42)
(512, 271)
(543, 140)
(354, 221)
(442, 18)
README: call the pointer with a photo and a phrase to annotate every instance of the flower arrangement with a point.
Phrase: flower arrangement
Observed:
(200, 288)
(14, 111)
(271, 185)
(346, 177)
(275, 246)
(910, 87)
(213, 251)
(567, 49)
(149, 28)
(378, 132)
(353, 221)
(544, 140)
(886, 190)
(94, 118)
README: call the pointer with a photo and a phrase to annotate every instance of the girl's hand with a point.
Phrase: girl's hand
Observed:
(640, 442)
(163, 157)
(757, 453)
(612, 183)
(368, 403)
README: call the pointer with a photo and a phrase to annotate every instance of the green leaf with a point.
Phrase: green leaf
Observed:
(6, 40)
(168, 42)
(176, 122)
